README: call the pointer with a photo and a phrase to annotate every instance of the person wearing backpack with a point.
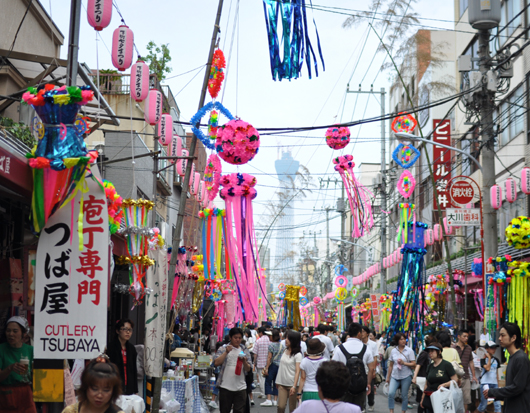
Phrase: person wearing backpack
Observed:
(401, 364)
(354, 354)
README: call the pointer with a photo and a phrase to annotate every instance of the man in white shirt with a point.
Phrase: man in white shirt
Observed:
(322, 330)
(354, 345)
(372, 346)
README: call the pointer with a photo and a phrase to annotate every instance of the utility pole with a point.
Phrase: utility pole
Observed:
(73, 42)
(487, 104)
(185, 183)
(382, 284)
(382, 93)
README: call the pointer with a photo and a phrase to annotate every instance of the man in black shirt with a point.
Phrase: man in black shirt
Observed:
(516, 393)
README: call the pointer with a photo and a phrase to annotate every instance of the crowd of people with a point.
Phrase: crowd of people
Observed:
(314, 369)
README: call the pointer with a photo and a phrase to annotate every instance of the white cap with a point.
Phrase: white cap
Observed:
(491, 344)
(20, 320)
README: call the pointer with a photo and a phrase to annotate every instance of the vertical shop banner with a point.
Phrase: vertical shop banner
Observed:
(442, 162)
(155, 313)
(71, 280)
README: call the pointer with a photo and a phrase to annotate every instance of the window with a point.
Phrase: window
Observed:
(510, 9)
(472, 50)
(463, 6)
(510, 117)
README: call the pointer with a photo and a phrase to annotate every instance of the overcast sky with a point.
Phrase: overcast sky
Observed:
(249, 91)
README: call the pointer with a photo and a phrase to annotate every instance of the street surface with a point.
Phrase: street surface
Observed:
(381, 405)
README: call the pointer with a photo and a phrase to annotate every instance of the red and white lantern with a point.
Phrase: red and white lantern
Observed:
(429, 237)
(195, 179)
(139, 81)
(511, 190)
(496, 196)
(153, 107)
(438, 235)
(165, 129)
(391, 258)
(448, 228)
(99, 13)
(204, 194)
(525, 180)
(396, 257)
(175, 148)
(399, 255)
(122, 48)
(198, 195)
(182, 164)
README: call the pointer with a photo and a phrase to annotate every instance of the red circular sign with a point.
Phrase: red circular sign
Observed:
(461, 192)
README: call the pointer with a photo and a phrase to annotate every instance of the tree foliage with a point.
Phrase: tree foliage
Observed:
(158, 58)
(19, 130)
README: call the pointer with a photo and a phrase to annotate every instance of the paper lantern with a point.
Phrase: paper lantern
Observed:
(496, 196)
(391, 259)
(175, 148)
(200, 192)
(165, 129)
(204, 194)
(99, 13)
(511, 190)
(182, 164)
(194, 186)
(153, 107)
(525, 180)
(384, 263)
(396, 257)
(429, 237)
(399, 255)
(122, 48)
(139, 81)
(447, 227)
(438, 235)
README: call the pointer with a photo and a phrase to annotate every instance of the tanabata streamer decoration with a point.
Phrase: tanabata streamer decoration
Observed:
(406, 184)
(237, 142)
(212, 176)
(358, 196)
(341, 316)
(407, 311)
(404, 123)
(216, 73)
(240, 240)
(295, 39)
(338, 137)
(114, 202)
(406, 217)
(291, 305)
(435, 295)
(212, 239)
(519, 298)
(496, 294)
(405, 155)
(518, 232)
(60, 158)
(385, 303)
(196, 119)
(137, 234)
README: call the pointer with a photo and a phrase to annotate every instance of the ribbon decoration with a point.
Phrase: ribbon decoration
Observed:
(291, 305)
(341, 316)
(295, 38)
(519, 298)
(358, 196)
(407, 305)
(405, 216)
(240, 241)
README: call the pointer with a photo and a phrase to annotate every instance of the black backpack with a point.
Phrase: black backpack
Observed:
(355, 364)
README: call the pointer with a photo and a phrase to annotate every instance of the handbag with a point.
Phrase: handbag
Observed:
(378, 379)
(459, 370)
(442, 401)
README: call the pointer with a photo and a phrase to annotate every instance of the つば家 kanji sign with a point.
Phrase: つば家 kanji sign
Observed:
(71, 279)
(441, 161)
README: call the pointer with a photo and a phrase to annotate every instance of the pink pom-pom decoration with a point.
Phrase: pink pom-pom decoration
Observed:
(429, 237)
(122, 48)
(448, 228)
(406, 184)
(238, 184)
(437, 230)
(338, 137)
(525, 180)
(165, 129)
(496, 196)
(139, 81)
(237, 142)
(511, 190)
(182, 164)
(153, 107)
(99, 13)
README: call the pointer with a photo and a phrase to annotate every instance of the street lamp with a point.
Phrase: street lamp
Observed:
(410, 137)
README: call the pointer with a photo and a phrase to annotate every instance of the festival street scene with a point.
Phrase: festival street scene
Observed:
(228, 206)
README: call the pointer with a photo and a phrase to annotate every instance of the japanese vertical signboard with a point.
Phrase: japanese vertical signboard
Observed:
(441, 160)
(155, 314)
(71, 279)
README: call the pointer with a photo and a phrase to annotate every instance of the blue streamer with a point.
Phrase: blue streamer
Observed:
(295, 39)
